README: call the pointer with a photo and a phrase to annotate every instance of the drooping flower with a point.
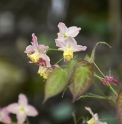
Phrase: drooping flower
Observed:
(22, 109)
(94, 119)
(4, 117)
(65, 32)
(110, 79)
(45, 71)
(69, 46)
(37, 53)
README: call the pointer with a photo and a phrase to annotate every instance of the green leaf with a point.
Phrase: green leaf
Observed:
(93, 51)
(55, 83)
(70, 68)
(119, 106)
(82, 78)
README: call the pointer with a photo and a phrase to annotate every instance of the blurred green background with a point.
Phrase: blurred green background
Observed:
(100, 20)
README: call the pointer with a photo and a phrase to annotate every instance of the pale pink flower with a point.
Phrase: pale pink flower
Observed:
(37, 52)
(45, 71)
(4, 117)
(109, 80)
(94, 119)
(69, 46)
(22, 109)
(65, 32)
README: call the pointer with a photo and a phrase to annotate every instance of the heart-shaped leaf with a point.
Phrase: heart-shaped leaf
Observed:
(119, 106)
(55, 83)
(70, 68)
(82, 78)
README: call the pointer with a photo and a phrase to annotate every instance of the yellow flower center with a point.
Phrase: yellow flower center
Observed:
(91, 121)
(44, 72)
(68, 53)
(35, 56)
(22, 109)
(65, 36)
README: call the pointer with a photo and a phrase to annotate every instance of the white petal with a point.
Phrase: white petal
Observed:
(73, 31)
(22, 99)
(60, 43)
(21, 118)
(31, 111)
(90, 111)
(13, 108)
(62, 28)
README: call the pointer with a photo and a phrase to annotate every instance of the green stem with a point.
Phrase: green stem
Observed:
(99, 69)
(112, 89)
(58, 61)
(95, 96)
(100, 78)
(103, 94)
(64, 91)
(108, 119)
(74, 118)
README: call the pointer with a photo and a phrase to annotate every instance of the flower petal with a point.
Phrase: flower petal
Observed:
(62, 28)
(60, 43)
(79, 48)
(21, 118)
(22, 99)
(31, 111)
(43, 48)
(116, 82)
(72, 31)
(29, 49)
(47, 59)
(13, 108)
(6, 119)
(34, 40)
(90, 111)
(75, 47)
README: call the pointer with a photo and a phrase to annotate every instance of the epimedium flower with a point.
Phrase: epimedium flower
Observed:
(37, 53)
(65, 32)
(45, 71)
(22, 109)
(94, 119)
(4, 116)
(110, 79)
(69, 46)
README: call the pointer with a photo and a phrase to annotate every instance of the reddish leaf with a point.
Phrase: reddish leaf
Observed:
(82, 78)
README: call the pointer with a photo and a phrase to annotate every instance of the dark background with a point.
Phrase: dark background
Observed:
(100, 20)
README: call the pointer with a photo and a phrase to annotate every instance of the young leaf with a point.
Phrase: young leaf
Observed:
(82, 78)
(93, 51)
(55, 83)
(119, 106)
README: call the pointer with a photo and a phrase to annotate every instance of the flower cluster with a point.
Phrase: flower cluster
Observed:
(65, 42)
(37, 55)
(22, 109)
(81, 76)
